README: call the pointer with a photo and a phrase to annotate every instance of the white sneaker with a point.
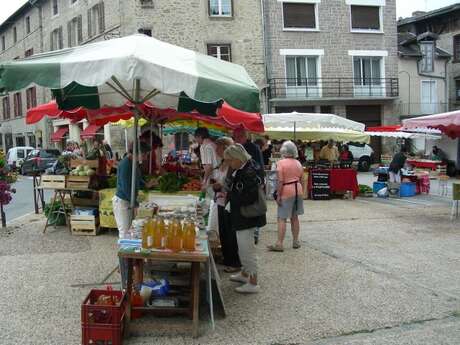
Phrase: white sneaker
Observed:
(248, 288)
(239, 278)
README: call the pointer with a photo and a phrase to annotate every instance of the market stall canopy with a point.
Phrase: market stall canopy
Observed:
(102, 74)
(59, 134)
(318, 134)
(447, 123)
(398, 132)
(90, 132)
(309, 120)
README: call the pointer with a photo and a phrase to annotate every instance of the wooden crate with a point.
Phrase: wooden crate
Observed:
(93, 164)
(84, 225)
(53, 181)
(78, 182)
(85, 202)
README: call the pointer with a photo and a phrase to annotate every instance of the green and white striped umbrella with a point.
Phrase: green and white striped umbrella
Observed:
(135, 68)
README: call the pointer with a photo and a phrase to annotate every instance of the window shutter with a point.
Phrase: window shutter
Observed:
(90, 26)
(34, 96)
(69, 33)
(298, 15)
(365, 17)
(28, 98)
(80, 29)
(61, 38)
(101, 17)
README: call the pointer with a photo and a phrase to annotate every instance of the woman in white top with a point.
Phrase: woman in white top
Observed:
(227, 236)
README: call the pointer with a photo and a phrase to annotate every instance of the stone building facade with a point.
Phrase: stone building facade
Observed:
(337, 56)
(227, 29)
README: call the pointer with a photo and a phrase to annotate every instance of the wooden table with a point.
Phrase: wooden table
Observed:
(59, 194)
(136, 257)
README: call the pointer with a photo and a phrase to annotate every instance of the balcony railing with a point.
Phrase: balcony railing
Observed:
(416, 109)
(315, 88)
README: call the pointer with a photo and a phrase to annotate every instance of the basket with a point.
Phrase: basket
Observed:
(103, 323)
(93, 164)
(53, 181)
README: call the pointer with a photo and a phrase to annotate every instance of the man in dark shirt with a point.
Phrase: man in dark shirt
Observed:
(397, 164)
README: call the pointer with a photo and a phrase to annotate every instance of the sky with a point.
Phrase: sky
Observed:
(404, 7)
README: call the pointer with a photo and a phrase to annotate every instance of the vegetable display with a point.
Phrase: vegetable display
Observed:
(171, 183)
(83, 170)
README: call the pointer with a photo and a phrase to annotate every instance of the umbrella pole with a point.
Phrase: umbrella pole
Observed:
(137, 87)
(151, 145)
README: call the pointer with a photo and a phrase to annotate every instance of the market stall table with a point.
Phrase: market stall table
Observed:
(201, 255)
(338, 181)
(424, 163)
(421, 180)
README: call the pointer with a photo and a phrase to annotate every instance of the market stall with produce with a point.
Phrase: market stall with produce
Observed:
(324, 178)
(137, 69)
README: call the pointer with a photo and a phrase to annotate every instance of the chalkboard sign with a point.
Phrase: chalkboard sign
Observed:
(320, 189)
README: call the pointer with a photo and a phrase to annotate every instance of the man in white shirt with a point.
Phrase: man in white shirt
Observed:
(208, 155)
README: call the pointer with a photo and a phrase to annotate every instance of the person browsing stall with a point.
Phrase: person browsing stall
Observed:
(289, 195)
(345, 154)
(397, 163)
(243, 191)
(329, 152)
(208, 154)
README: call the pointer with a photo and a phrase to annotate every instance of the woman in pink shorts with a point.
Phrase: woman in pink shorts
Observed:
(289, 195)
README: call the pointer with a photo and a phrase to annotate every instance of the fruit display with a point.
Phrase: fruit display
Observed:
(83, 170)
(193, 185)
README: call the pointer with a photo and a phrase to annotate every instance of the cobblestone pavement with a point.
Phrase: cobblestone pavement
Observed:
(370, 271)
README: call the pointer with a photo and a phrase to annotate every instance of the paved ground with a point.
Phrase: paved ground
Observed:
(370, 272)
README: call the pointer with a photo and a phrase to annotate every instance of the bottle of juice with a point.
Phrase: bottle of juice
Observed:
(145, 234)
(158, 233)
(177, 235)
(150, 233)
(169, 235)
(189, 236)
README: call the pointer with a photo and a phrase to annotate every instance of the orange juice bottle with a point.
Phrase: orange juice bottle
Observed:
(145, 233)
(150, 233)
(189, 236)
(177, 235)
(169, 235)
(158, 233)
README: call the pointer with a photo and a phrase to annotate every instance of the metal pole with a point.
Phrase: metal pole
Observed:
(3, 216)
(151, 145)
(137, 87)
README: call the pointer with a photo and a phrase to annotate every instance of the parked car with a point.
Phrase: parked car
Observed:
(39, 160)
(363, 154)
(16, 155)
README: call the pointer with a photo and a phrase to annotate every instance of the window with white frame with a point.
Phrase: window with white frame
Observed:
(300, 16)
(427, 62)
(301, 70)
(96, 20)
(6, 107)
(367, 70)
(220, 51)
(31, 97)
(56, 40)
(220, 8)
(366, 18)
(54, 7)
(17, 104)
(74, 31)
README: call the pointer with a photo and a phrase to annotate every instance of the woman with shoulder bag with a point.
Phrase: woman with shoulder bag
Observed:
(289, 195)
(247, 211)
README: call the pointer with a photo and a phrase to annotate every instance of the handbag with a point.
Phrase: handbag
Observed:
(257, 209)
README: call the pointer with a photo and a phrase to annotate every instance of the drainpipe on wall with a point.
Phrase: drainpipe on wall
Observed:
(266, 51)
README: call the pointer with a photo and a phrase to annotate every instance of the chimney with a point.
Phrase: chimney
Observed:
(418, 13)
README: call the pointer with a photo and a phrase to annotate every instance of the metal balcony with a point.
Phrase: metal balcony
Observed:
(333, 88)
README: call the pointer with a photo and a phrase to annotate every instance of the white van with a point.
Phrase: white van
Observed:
(16, 155)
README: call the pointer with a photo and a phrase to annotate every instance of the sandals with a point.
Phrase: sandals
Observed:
(275, 248)
(296, 244)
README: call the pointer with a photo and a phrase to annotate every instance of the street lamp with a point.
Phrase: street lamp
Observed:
(408, 76)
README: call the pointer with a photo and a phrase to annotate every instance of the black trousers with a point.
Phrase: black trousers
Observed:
(228, 239)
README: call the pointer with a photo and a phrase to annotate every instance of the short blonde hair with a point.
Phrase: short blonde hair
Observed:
(224, 142)
(289, 150)
(237, 151)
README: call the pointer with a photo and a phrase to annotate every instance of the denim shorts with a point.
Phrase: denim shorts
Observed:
(288, 208)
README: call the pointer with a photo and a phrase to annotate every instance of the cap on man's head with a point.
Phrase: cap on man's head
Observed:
(202, 132)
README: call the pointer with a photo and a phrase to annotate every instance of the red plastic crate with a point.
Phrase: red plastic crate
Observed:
(102, 335)
(100, 315)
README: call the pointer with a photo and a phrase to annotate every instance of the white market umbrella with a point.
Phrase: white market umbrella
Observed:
(135, 68)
